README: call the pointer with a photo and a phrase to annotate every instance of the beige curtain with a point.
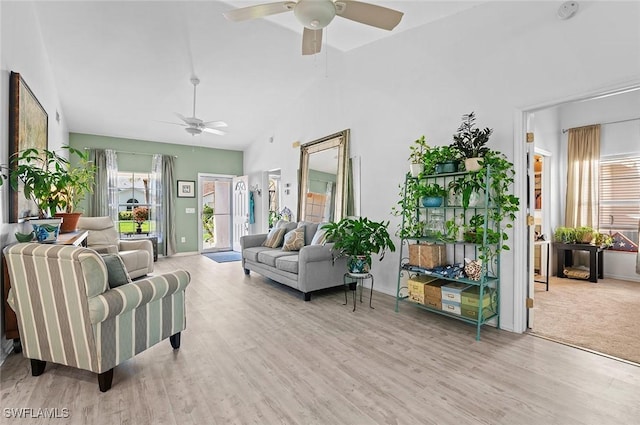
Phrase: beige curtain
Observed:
(583, 177)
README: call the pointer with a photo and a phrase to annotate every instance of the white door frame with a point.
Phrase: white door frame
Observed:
(199, 211)
(520, 252)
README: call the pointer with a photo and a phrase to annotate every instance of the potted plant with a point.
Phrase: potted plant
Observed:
(445, 158)
(471, 141)
(74, 186)
(603, 239)
(584, 234)
(564, 234)
(358, 239)
(140, 215)
(431, 194)
(417, 156)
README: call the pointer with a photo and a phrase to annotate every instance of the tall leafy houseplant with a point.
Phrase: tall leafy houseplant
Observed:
(471, 141)
(358, 239)
(77, 182)
(407, 208)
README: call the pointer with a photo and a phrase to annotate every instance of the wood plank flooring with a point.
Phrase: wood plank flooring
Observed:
(255, 353)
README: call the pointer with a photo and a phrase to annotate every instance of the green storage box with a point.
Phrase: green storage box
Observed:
(472, 312)
(471, 297)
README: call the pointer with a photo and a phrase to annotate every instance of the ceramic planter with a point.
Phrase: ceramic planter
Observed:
(46, 230)
(473, 164)
(416, 169)
(358, 264)
(447, 167)
(69, 221)
(431, 201)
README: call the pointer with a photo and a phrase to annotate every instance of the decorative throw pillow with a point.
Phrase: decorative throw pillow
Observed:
(116, 272)
(321, 235)
(274, 238)
(294, 240)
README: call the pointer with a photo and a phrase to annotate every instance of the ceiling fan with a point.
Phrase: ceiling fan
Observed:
(317, 14)
(195, 125)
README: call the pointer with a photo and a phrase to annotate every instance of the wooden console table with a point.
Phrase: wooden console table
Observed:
(565, 258)
(78, 238)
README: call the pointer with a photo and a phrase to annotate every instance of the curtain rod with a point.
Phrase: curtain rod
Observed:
(603, 123)
(134, 153)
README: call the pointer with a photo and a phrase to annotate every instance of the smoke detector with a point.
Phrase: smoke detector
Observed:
(568, 9)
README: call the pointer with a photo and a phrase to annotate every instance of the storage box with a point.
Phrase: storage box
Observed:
(416, 286)
(472, 312)
(451, 307)
(471, 297)
(427, 255)
(451, 292)
(435, 304)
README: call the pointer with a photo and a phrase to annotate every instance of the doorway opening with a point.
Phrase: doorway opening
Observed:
(590, 315)
(214, 212)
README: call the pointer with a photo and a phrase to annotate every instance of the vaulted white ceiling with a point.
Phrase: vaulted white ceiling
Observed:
(122, 68)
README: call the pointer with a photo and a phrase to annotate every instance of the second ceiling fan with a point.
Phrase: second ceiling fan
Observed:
(314, 15)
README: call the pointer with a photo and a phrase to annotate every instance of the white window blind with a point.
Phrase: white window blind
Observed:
(619, 194)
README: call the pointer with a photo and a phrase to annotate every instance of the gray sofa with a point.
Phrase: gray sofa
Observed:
(310, 269)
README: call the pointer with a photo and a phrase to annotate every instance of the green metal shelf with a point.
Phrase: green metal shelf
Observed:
(491, 278)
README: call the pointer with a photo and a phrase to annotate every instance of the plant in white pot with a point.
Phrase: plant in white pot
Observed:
(417, 156)
(358, 239)
(471, 142)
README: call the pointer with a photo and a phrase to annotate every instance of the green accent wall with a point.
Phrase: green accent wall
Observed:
(135, 155)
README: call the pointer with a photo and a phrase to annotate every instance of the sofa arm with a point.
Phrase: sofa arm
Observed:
(249, 241)
(313, 253)
(132, 295)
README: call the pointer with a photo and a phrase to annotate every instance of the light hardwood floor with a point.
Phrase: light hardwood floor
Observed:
(255, 353)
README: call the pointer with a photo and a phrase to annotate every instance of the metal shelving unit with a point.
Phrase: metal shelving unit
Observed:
(456, 250)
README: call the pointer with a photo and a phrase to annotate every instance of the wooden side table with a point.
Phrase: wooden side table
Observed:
(78, 238)
(596, 258)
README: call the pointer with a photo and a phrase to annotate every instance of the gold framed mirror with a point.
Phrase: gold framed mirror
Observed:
(322, 190)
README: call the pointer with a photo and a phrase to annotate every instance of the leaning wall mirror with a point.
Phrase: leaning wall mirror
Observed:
(323, 187)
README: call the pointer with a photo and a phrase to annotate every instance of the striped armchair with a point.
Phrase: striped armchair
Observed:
(68, 315)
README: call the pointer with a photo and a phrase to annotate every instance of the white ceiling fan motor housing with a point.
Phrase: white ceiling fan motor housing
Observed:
(315, 14)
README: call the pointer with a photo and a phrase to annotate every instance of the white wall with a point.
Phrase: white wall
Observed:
(496, 59)
(22, 51)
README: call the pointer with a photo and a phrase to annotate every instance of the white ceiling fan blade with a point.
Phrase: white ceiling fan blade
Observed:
(174, 123)
(259, 11)
(311, 41)
(369, 14)
(215, 124)
(214, 131)
(188, 120)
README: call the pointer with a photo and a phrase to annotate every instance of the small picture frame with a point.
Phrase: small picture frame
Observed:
(186, 189)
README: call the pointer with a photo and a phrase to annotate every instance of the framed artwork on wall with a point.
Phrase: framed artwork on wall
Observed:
(28, 129)
(186, 189)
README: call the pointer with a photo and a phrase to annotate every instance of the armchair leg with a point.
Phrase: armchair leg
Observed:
(105, 379)
(175, 341)
(307, 296)
(246, 271)
(37, 367)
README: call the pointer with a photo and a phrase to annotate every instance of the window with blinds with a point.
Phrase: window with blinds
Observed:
(620, 195)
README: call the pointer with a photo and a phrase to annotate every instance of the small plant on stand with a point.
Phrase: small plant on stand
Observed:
(471, 142)
(140, 215)
(417, 156)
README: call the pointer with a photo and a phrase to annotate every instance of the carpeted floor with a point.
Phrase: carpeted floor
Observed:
(223, 257)
(603, 316)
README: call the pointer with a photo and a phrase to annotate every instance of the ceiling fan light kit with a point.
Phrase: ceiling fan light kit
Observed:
(315, 15)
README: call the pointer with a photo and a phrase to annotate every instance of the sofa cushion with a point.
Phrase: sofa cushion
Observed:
(275, 237)
(288, 263)
(294, 240)
(252, 253)
(269, 257)
(309, 231)
(320, 236)
(136, 262)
